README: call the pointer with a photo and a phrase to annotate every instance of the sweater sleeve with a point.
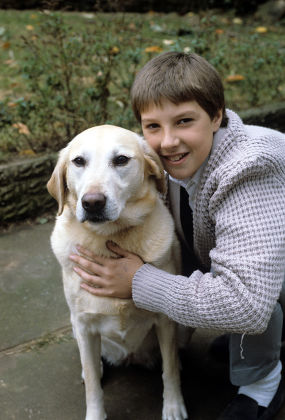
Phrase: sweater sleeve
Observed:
(247, 261)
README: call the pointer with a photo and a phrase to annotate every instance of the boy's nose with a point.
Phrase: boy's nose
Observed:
(169, 140)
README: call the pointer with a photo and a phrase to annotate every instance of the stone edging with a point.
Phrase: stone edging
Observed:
(23, 184)
(23, 190)
(272, 116)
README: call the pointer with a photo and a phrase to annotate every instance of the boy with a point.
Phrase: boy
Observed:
(230, 179)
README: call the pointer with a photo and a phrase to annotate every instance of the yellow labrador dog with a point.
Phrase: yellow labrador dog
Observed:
(107, 183)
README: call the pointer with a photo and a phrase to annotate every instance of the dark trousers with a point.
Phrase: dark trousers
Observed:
(252, 357)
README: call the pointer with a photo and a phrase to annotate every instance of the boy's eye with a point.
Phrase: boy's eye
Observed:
(184, 121)
(152, 126)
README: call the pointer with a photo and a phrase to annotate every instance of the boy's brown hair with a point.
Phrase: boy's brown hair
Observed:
(178, 77)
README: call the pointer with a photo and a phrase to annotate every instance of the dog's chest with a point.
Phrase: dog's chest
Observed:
(121, 334)
(68, 233)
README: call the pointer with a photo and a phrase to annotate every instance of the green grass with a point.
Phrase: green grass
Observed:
(63, 72)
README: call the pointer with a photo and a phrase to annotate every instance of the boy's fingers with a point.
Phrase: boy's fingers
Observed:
(86, 255)
(93, 279)
(112, 246)
(85, 252)
(101, 260)
(97, 291)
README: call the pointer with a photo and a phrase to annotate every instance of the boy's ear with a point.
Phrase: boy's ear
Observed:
(153, 167)
(57, 183)
(217, 120)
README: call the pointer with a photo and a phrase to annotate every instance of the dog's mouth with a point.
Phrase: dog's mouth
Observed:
(94, 218)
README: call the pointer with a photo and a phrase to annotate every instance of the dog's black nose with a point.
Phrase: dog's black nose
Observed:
(93, 202)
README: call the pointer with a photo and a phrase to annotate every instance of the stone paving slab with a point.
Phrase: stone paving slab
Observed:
(45, 384)
(31, 295)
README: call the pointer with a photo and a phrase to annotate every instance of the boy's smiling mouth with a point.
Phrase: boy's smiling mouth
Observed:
(175, 158)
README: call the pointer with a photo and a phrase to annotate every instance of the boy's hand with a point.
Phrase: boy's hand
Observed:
(102, 276)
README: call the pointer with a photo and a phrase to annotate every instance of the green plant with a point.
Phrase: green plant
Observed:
(64, 72)
(69, 77)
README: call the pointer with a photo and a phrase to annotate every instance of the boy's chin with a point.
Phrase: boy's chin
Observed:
(180, 174)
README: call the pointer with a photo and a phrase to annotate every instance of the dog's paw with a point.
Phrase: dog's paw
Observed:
(174, 411)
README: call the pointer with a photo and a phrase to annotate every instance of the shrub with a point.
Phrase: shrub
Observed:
(68, 77)
(73, 71)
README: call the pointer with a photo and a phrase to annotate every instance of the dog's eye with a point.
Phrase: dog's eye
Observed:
(79, 161)
(120, 160)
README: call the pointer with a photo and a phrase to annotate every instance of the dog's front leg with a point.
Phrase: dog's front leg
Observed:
(90, 355)
(173, 403)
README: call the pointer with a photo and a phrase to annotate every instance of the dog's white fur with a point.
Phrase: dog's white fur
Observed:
(134, 217)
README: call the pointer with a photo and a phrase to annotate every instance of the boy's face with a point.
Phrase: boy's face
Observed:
(181, 134)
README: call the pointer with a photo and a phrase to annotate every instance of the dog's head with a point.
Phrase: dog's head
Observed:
(103, 172)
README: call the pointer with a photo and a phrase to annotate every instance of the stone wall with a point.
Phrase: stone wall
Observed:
(23, 192)
(138, 6)
(272, 116)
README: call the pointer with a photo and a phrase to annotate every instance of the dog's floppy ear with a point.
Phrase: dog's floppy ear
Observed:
(153, 167)
(57, 184)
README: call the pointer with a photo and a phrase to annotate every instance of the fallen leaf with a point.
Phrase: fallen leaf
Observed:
(238, 21)
(11, 62)
(219, 31)
(261, 29)
(234, 78)
(27, 152)
(22, 128)
(281, 88)
(29, 27)
(6, 45)
(120, 104)
(132, 26)
(58, 124)
(168, 42)
(224, 20)
(11, 265)
(41, 220)
(114, 50)
(156, 28)
(154, 48)
(88, 15)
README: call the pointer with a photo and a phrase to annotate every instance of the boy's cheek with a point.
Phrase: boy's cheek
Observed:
(154, 144)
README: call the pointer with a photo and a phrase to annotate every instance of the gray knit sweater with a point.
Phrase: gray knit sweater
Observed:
(239, 237)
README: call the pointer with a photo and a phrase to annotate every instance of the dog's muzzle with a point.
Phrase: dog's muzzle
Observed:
(94, 207)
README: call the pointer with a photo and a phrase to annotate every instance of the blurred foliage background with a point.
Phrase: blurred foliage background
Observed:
(63, 71)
